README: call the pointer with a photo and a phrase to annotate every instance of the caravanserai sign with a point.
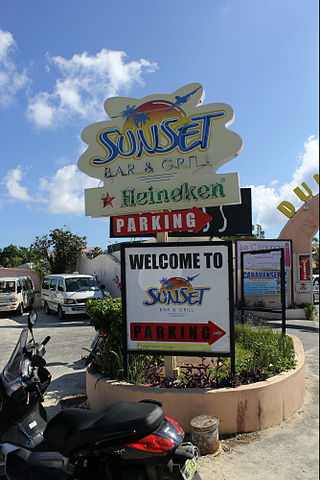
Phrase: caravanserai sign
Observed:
(160, 152)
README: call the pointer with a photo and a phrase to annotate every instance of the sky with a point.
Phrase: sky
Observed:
(59, 62)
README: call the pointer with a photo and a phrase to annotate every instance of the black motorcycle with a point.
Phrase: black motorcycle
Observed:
(123, 441)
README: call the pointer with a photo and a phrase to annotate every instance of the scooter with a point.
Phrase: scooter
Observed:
(123, 441)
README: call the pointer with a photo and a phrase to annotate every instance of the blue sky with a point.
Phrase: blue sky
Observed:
(60, 60)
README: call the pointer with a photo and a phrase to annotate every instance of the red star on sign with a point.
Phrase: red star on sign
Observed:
(107, 200)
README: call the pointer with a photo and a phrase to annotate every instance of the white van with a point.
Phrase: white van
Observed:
(16, 294)
(67, 293)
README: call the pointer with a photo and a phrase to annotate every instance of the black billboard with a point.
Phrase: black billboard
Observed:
(227, 221)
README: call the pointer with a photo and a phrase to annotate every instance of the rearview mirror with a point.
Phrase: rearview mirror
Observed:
(32, 319)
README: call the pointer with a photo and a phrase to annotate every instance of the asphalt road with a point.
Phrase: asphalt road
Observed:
(64, 355)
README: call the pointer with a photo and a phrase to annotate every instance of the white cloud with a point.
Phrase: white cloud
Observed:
(11, 80)
(63, 193)
(15, 190)
(265, 199)
(85, 82)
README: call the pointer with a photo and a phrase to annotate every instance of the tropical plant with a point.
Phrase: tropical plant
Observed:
(13, 256)
(309, 311)
(106, 316)
(59, 250)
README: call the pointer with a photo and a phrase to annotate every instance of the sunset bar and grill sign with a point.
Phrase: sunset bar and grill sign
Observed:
(177, 298)
(161, 152)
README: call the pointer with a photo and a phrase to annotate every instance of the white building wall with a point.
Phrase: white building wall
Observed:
(106, 269)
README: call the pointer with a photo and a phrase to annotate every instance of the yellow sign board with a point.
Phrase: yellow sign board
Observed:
(160, 143)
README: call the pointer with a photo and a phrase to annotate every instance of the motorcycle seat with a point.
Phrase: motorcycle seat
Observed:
(75, 429)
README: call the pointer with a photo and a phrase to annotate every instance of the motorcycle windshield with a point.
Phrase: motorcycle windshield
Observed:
(12, 370)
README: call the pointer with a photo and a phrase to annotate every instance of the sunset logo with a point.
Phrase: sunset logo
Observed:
(176, 291)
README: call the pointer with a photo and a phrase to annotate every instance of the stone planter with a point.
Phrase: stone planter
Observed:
(242, 409)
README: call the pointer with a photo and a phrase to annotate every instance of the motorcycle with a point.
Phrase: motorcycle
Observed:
(96, 349)
(123, 441)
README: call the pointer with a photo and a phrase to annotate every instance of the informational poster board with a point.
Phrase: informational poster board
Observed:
(261, 272)
(257, 283)
(177, 298)
(267, 262)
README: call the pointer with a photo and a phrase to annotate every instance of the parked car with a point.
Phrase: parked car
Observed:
(67, 293)
(16, 294)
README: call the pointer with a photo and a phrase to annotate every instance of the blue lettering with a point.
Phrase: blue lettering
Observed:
(143, 144)
(207, 118)
(179, 296)
(112, 149)
(184, 133)
(170, 133)
(132, 144)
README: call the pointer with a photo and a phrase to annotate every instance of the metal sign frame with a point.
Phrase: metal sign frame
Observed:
(263, 241)
(282, 283)
(166, 351)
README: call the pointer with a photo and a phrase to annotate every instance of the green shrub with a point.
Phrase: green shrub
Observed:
(260, 350)
(260, 354)
(309, 311)
(106, 316)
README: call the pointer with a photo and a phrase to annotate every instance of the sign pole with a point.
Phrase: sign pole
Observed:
(283, 292)
(170, 363)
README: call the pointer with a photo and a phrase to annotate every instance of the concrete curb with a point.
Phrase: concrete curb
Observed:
(242, 409)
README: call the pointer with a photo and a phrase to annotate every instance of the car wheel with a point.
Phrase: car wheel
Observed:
(61, 314)
(46, 308)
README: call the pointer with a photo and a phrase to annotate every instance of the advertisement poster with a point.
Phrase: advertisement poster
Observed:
(304, 268)
(302, 287)
(225, 220)
(256, 283)
(263, 262)
(177, 298)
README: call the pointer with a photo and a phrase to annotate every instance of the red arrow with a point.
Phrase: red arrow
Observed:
(176, 332)
(174, 221)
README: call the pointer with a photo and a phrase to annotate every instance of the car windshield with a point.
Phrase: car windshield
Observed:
(81, 284)
(7, 287)
(12, 370)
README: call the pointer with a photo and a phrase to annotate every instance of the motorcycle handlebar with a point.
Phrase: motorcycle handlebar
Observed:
(46, 340)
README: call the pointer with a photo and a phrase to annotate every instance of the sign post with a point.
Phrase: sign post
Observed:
(170, 362)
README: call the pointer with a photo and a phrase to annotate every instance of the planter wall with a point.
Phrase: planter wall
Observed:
(242, 409)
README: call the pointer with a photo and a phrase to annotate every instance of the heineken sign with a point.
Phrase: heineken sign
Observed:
(160, 152)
